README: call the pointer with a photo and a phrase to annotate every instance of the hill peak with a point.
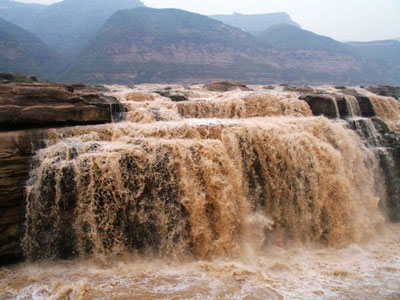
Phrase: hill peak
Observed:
(22, 52)
(255, 23)
(289, 37)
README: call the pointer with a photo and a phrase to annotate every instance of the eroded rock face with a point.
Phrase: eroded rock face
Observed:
(16, 149)
(322, 105)
(30, 105)
(367, 110)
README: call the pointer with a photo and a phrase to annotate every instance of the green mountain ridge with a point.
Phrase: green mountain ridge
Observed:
(22, 52)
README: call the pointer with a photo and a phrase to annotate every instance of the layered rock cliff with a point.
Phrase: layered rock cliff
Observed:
(51, 104)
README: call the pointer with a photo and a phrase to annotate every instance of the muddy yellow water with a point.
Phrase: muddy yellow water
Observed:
(358, 271)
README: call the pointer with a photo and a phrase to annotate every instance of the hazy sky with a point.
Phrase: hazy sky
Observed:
(340, 19)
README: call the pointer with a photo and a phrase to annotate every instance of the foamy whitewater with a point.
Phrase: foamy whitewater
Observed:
(236, 195)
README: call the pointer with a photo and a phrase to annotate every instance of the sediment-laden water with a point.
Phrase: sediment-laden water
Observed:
(238, 195)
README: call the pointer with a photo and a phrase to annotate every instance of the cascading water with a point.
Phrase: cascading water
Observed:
(263, 201)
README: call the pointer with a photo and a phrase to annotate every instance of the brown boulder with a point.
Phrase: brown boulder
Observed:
(225, 86)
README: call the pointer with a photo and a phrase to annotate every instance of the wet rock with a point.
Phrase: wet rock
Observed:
(385, 90)
(225, 86)
(342, 107)
(389, 161)
(347, 91)
(174, 96)
(269, 87)
(366, 107)
(381, 126)
(386, 146)
(322, 105)
(16, 149)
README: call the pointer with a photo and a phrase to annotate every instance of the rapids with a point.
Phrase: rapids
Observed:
(237, 195)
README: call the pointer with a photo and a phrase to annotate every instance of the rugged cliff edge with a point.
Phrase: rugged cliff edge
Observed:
(38, 104)
(26, 109)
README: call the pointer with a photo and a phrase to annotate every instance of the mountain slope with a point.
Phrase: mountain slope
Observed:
(146, 44)
(22, 52)
(67, 25)
(378, 62)
(21, 14)
(383, 56)
(255, 23)
(288, 37)
(384, 52)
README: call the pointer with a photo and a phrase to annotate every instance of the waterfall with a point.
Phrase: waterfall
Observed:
(171, 181)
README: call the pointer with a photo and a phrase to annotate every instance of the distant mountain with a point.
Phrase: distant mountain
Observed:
(150, 45)
(66, 26)
(21, 14)
(384, 56)
(288, 37)
(384, 52)
(169, 45)
(379, 60)
(22, 52)
(255, 23)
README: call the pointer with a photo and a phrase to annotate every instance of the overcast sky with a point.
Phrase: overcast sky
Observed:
(343, 20)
